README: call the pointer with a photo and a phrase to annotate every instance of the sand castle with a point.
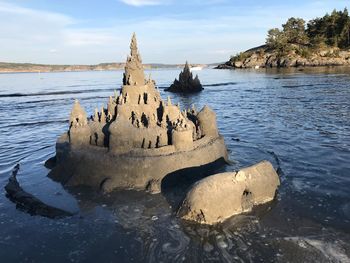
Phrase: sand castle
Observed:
(140, 142)
(186, 82)
(137, 140)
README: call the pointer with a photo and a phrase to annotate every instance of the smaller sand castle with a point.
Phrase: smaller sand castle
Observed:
(186, 82)
(220, 196)
(138, 139)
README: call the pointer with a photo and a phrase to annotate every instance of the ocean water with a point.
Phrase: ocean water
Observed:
(297, 119)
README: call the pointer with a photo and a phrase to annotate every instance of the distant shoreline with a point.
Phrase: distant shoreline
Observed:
(43, 68)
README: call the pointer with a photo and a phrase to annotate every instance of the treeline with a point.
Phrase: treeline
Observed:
(331, 30)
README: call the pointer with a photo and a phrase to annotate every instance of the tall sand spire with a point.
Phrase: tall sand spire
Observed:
(134, 74)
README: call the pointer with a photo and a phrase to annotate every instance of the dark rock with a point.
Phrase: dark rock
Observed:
(224, 66)
(186, 82)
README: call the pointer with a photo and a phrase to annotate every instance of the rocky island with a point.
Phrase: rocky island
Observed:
(317, 43)
(137, 140)
(186, 82)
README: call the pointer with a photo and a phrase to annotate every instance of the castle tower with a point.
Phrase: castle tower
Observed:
(134, 74)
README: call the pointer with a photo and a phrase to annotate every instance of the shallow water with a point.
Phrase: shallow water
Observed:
(299, 120)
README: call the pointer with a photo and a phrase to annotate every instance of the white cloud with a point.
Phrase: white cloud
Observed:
(144, 2)
(89, 37)
(30, 35)
(11, 9)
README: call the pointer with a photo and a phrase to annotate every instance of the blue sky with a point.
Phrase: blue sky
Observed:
(168, 31)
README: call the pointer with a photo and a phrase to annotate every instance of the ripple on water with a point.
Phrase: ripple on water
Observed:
(297, 120)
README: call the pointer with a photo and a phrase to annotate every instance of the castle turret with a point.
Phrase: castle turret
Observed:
(169, 101)
(182, 137)
(103, 115)
(134, 74)
(78, 115)
(111, 107)
(207, 122)
(96, 117)
(79, 132)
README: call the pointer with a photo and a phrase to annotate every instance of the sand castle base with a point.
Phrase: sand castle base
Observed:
(138, 169)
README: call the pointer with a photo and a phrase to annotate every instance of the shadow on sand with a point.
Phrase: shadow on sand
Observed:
(175, 185)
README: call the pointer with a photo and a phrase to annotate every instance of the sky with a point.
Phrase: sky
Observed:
(168, 31)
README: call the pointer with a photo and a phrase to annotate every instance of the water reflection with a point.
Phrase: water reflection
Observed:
(298, 120)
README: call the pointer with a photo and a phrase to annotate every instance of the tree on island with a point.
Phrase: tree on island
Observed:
(332, 30)
(322, 41)
(186, 82)
(329, 31)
